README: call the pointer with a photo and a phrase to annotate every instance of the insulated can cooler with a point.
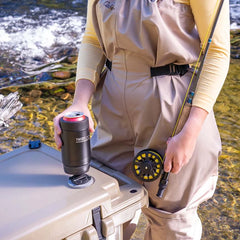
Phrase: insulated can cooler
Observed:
(75, 143)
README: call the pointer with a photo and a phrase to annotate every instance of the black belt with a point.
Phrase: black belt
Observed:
(170, 69)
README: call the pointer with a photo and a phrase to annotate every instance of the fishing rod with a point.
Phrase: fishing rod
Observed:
(186, 107)
(148, 164)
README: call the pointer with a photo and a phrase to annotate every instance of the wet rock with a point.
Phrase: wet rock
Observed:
(62, 51)
(38, 59)
(235, 53)
(26, 100)
(47, 85)
(3, 73)
(235, 44)
(4, 81)
(61, 74)
(44, 76)
(72, 59)
(70, 87)
(27, 80)
(7, 90)
(35, 93)
(66, 96)
(57, 92)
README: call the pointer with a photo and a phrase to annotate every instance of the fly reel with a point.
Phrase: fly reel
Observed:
(148, 165)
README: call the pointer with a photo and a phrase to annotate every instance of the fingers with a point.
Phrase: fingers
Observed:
(173, 158)
(168, 164)
(57, 128)
(91, 125)
(58, 140)
(57, 131)
(172, 165)
(176, 167)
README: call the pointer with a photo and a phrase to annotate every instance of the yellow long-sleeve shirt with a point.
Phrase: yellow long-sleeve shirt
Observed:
(91, 58)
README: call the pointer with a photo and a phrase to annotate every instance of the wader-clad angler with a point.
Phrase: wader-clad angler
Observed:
(148, 46)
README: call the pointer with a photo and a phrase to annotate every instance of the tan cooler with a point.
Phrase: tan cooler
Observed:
(37, 203)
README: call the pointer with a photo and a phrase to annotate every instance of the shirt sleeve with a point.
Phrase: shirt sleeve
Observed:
(216, 64)
(90, 58)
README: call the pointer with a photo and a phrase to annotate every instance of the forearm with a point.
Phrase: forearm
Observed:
(83, 92)
(194, 122)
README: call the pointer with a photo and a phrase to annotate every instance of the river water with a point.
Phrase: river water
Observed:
(32, 31)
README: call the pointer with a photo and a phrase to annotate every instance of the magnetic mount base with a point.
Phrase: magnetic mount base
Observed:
(80, 181)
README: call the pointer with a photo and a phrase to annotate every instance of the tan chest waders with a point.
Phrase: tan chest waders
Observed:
(137, 110)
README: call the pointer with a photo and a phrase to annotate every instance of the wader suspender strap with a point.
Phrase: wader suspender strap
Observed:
(186, 106)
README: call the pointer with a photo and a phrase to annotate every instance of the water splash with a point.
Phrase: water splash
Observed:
(9, 105)
(234, 14)
(29, 39)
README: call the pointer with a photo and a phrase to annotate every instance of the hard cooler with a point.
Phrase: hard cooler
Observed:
(36, 202)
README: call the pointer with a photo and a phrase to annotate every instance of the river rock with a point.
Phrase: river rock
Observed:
(57, 92)
(27, 79)
(44, 76)
(61, 51)
(235, 44)
(26, 100)
(35, 93)
(70, 87)
(72, 59)
(66, 96)
(61, 74)
(3, 73)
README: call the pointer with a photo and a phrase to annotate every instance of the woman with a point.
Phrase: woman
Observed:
(149, 45)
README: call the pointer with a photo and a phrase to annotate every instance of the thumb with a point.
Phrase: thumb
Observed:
(90, 120)
(57, 125)
(91, 125)
(168, 161)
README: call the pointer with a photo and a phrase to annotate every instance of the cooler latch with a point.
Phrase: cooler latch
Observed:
(34, 144)
(97, 222)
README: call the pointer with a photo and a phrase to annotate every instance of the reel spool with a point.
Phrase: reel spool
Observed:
(148, 165)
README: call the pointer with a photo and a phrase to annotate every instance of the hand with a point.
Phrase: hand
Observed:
(83, 92)
(180, 147)
(74, 107)
(179, 151)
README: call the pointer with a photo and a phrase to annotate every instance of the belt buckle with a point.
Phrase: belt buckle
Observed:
(172, 69)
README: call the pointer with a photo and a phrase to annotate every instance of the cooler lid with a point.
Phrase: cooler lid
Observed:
(35, 196)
